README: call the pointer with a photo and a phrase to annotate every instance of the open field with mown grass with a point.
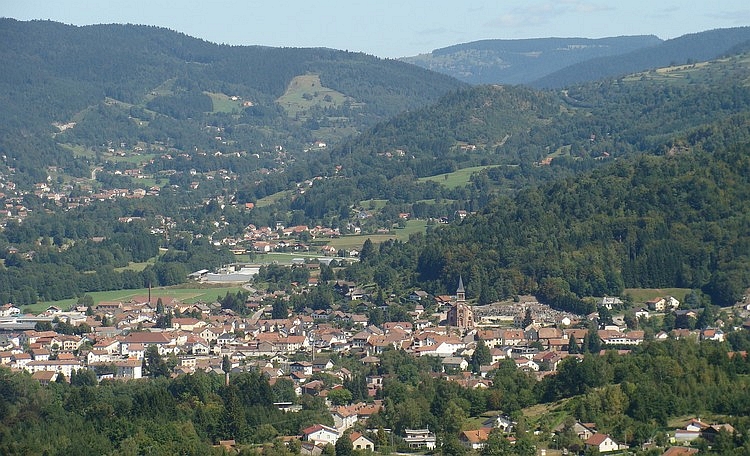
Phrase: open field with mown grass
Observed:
(137, 267)
(641, 295)
(402, 234)
(224, 103)
(306, 91)
(189, 293)
(271, 199)
(457, 178)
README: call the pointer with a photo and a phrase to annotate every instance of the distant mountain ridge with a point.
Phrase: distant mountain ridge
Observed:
(522, 61)
(695, 47)
(559, 62)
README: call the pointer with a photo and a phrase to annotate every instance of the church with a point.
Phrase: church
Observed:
(460, 314)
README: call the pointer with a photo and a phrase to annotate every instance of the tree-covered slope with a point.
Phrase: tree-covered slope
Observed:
(560, 62)
(664, 202)
(579, 126)
(678, 220)
(695, 47)
(100, 76)
(522, 61)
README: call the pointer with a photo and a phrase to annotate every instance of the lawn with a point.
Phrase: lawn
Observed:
(271, 199)
(305, 92)
(641, 295)
(224, 103)
(356, 241)
(183, 293)
(457, 178)
(137, 267)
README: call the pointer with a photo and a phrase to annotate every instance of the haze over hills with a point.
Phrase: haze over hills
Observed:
(557, 62)
(522, 61)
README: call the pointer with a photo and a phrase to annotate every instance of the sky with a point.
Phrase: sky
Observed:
(393, 28)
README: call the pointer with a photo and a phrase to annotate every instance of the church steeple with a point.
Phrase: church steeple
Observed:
(460, 292)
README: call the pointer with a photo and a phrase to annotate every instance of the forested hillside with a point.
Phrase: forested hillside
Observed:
(174, 130)
(137, 84)
(561, 62)
(695, 47)
(134, 156)
(576, 128)
(522, 61)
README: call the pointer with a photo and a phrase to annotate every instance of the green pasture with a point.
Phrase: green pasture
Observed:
(307, 91)
(457, 178)
(224, 103)
(137, 267)
(641, 295)
(373, 204)
(271, 199)
(402, 234)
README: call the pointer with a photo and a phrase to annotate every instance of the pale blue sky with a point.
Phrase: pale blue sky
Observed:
(393, 28)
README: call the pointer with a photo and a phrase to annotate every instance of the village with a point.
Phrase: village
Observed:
(204, 337)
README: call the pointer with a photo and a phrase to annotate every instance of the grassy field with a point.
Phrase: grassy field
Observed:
(183, 293)
(271, 199)
(641, 295)
(457, 178)
(356, 241)
(305, 92)
(373, 204)
(224, 103)
(137, 267)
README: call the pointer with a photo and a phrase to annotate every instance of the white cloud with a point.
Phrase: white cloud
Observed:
(544, 13)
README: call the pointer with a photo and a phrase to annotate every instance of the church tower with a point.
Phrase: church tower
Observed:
(460, 314)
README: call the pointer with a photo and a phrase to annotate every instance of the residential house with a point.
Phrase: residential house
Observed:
(164, 344)
(129, 369)
(610, 301)
(65, 367)
(514, 337)
(9, 310)
(502, 422)
(360, 442)
(303, 367)
(610, 337)
(475, 439)
(455, 363)
(657, 304)
(491, 337)
(528, 365)
(420, 438)
(603, 443)
(344, 417)
(320, 433)
(712, 334)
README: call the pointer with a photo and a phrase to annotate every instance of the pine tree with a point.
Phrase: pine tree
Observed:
(573, 347)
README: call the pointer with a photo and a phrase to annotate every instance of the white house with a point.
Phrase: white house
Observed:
(420, 438)
(320, 433)
(603, 443)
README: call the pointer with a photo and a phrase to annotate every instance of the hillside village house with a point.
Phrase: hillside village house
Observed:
(420, 438)
(360, 442)
(603, 443)
(320, 433)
